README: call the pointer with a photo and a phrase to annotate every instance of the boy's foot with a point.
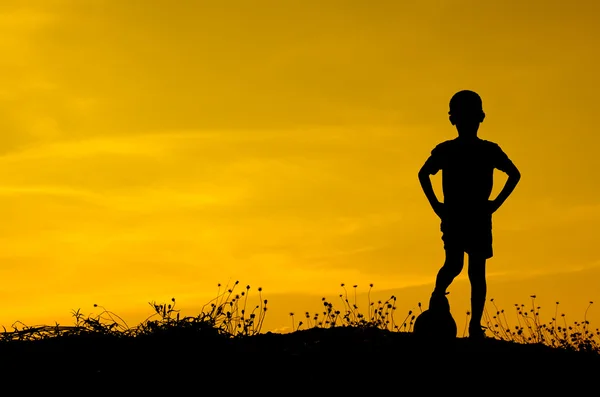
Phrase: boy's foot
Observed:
(476, 332)
(438, 301)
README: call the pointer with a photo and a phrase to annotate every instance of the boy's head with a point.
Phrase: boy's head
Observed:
(466, 112)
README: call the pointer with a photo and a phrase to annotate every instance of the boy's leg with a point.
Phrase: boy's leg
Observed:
(478, 290)
(452, 267)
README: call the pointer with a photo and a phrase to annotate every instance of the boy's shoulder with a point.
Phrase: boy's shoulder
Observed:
(488, 143)
(456, 144)
(443, 145)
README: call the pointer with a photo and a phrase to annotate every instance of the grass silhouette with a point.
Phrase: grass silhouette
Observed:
(228, 328)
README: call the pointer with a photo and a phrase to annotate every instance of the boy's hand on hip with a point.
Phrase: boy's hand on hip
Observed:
(439, 209)
(493, 206)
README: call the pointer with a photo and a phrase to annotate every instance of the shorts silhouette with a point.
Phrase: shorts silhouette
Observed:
(469, 232)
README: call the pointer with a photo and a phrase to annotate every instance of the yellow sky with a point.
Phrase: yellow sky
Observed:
(152, 149)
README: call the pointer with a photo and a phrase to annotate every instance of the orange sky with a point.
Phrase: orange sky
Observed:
(152, 149)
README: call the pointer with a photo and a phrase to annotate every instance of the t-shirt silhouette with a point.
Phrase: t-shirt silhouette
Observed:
(467, 172)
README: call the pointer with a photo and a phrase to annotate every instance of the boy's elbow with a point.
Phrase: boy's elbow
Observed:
(516, 175)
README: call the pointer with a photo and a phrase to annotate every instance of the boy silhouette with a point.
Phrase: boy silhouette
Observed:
(467, 163)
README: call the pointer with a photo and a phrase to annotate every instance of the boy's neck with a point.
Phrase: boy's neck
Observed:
(467, 138)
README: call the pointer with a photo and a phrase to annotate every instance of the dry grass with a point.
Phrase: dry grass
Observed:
(230, 315)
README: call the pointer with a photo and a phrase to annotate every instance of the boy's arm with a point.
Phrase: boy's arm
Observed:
(427, 187)
(514, 176)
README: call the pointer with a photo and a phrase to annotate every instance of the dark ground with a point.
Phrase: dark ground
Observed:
(334, 360)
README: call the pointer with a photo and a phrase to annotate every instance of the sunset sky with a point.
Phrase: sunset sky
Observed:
(153, 149)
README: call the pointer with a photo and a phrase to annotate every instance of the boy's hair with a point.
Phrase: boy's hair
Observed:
(465, 101)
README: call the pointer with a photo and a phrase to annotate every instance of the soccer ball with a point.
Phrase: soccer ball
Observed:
(436, 323)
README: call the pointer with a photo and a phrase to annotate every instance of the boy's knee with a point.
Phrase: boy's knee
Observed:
(453, 268)
(477, 276)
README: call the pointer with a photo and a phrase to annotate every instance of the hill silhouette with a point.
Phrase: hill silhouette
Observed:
(344, 352)
(105, 356)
